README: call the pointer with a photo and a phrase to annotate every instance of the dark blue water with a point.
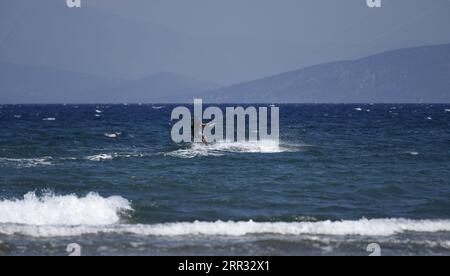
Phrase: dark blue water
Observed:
(111, 179)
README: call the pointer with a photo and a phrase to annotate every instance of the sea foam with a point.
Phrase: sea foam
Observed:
(219, 149)
(26, 162)
(67, 210)
(100, 157)
(363, 227)
(158, 107)
(113, 135)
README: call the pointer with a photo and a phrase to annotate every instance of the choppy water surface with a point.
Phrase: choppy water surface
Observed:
(111, 179)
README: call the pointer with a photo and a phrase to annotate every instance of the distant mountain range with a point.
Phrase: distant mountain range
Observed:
(156, 88)
(99, 40)
(94, 41)
(413, 75)
(27, 84)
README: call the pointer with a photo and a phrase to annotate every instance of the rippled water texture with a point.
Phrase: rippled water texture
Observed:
(343, 176)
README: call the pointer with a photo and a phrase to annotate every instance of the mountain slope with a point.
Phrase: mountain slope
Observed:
(93, 41)
(28, 84)
(412, 75)
(156, 88)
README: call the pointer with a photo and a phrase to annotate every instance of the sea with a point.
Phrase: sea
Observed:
(344, 179)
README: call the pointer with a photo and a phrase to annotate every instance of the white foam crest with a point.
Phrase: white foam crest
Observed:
(49, 119)
(100, 157)
(219, 149)
(363, 227)
(27, 162)
(195, 150)
(258, 147)
(111, 156)
(113, 135)
(65, 210)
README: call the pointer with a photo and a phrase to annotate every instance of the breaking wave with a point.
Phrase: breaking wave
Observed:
(100, 157)
(68, 210)
(219, 149)
(363, 227)
(113, 135)
(26, 162)
(112, 156)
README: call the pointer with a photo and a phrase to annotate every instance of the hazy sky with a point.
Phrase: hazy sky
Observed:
(222, 41)
(295, 21)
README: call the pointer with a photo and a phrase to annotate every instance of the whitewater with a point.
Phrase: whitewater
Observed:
(51, 215)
